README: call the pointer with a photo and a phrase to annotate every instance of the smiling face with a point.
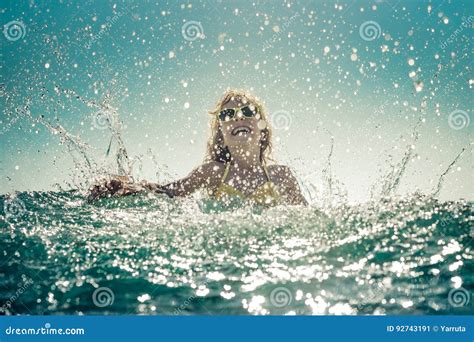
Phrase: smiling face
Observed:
(241, 132)
(245, 138)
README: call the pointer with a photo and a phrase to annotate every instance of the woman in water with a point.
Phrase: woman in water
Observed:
(236, 163)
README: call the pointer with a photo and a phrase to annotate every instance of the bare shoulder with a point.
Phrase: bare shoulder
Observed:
(211, 171)
(284, 178)
(212, 168)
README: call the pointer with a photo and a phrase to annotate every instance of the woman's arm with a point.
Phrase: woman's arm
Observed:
(117, 186)
(201, 177)
(289, 185)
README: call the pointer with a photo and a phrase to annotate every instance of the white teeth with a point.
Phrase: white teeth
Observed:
(239, 130)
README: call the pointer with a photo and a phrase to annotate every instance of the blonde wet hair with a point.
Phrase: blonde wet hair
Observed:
(216, 149)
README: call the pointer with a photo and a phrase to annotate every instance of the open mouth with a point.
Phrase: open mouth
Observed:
(241, 130)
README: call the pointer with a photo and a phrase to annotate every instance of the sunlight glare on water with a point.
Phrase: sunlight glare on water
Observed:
(158, 255)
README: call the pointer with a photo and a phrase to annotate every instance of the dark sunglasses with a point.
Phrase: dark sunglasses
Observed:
(230, 113)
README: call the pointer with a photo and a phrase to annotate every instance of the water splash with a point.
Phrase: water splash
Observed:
(389, 183)
(332, 190)
(368, 259)
(107, 116)
(327, 171)
(78, 150)
(443, 175)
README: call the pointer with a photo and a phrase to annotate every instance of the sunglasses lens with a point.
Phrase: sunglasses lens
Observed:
(226, 114)
(248, 111)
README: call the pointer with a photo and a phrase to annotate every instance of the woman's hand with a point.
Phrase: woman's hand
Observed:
(114, 186)
(156, 188)
(118, 186)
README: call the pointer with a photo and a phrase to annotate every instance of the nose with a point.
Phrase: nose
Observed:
(239, 115)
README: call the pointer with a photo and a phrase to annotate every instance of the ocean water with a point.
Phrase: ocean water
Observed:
(153, 255)
(370, 104)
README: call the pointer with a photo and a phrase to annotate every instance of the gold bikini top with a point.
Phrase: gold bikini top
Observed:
(265, 194)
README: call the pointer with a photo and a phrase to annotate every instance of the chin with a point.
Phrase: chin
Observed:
(240, 144)
(242, 139)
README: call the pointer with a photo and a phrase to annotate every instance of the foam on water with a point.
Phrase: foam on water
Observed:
(157, 255)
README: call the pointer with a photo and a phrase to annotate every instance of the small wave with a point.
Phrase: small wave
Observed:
(174, 256)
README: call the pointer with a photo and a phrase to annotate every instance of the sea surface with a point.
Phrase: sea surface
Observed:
(369, 102)
(149, 254)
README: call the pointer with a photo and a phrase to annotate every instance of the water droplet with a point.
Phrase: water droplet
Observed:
(419, 86)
